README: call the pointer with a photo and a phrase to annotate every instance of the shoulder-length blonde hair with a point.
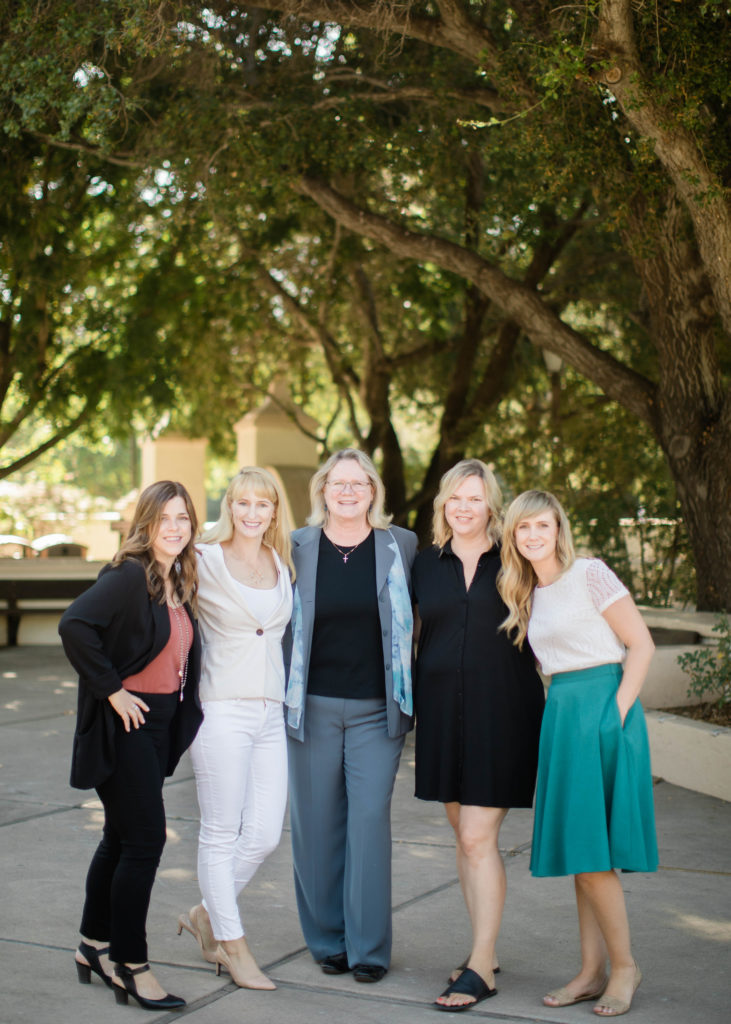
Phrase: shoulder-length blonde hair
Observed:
(138, 544)
(376, 513)
(262, 483)
(517, 578)
(441, 530)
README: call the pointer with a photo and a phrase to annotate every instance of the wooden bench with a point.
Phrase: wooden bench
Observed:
(40, 587)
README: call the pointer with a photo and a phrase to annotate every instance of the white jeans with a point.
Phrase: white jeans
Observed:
(240, 764)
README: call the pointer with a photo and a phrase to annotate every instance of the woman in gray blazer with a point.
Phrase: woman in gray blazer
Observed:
(349, 708)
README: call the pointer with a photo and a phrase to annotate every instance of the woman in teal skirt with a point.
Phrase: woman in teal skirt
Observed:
(594, 803)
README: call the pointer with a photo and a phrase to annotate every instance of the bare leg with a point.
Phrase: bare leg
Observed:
(482, 876)
(453, 813)
(592, 975)
(603, 892)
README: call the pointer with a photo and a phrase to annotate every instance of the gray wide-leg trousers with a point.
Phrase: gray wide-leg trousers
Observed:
(340, 781)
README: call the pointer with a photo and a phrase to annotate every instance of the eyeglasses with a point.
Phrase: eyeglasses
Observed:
(356, 486)
(455, 502)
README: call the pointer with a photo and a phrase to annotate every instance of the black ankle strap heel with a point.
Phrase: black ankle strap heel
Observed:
(91, 954)
(127, 977)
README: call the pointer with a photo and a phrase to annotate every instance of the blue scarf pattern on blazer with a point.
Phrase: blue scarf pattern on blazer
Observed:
(402, 627)
(296, 681)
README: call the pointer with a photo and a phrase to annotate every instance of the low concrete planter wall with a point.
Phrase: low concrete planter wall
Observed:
(667, 684)
(691, 754)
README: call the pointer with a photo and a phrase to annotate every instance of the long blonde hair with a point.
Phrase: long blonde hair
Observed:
(376, 514)
(260, 482)
(441, 530)
(138, 545)
(517, 578)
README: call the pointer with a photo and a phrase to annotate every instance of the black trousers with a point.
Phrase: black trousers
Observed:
(122, 871)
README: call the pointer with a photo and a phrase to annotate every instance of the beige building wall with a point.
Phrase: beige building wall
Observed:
(280, 437)
(183, 459)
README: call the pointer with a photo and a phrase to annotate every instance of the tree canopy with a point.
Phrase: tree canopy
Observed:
(412, 200)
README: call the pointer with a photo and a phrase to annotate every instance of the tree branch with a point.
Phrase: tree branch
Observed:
(89, 150)
(453, 31)
(518, 301)
(59, 435)
(675, 148)
(340, 370)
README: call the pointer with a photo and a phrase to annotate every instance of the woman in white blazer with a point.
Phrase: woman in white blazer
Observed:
(240, 756)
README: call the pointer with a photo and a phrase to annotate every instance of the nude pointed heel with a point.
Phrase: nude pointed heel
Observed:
(259, 981)
(200, 928)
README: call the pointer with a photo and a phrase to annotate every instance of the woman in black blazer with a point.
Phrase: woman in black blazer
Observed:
(134, 642)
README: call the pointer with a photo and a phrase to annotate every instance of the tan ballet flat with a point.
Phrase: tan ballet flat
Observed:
(563, 997)
(610, 1006)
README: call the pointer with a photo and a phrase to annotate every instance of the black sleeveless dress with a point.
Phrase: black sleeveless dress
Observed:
(478, 699)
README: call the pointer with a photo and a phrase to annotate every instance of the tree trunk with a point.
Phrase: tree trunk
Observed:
(703, 480)
(693, 419)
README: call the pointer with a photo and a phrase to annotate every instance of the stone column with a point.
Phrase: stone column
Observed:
(174, 457)
(271, 437)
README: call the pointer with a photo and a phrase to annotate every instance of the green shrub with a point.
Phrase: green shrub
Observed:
(710, 667)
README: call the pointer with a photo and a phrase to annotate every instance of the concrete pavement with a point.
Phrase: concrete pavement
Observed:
(681, 916)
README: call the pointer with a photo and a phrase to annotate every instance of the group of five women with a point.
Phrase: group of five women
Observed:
(290, 654)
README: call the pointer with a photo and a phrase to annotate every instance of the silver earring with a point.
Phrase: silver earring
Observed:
(177, 566)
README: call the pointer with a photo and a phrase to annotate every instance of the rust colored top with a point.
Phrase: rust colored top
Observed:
(166, 672)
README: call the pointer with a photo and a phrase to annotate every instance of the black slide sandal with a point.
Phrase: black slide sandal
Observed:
(469, 983)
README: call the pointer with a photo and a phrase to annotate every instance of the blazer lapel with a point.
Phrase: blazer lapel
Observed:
(161, 618)
(307, 547)
(284, 588)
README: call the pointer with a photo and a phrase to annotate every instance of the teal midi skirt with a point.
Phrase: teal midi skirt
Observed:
(594, 800)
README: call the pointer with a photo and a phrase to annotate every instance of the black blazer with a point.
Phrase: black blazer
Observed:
(113, 630)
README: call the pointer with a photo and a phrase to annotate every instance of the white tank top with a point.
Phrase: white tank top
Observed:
(261, 603)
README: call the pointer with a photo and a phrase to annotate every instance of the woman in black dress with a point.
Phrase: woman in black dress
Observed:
(478, 702)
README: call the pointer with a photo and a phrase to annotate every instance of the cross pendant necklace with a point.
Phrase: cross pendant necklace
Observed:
(347, 552)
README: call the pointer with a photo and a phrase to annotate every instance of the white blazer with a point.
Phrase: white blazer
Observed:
(241, 657)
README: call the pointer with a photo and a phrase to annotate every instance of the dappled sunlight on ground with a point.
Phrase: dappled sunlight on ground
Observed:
(717, 931)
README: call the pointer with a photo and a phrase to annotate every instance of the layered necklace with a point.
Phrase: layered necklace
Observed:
(182, 624)
(251, 573)
(254, 575)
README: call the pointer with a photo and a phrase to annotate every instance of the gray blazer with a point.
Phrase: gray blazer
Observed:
(305, 548)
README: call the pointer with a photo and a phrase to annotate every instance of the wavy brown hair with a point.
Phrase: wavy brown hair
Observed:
(517, 579)
(142, 532)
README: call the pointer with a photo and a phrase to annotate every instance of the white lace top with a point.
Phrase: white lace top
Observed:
(566, 629)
